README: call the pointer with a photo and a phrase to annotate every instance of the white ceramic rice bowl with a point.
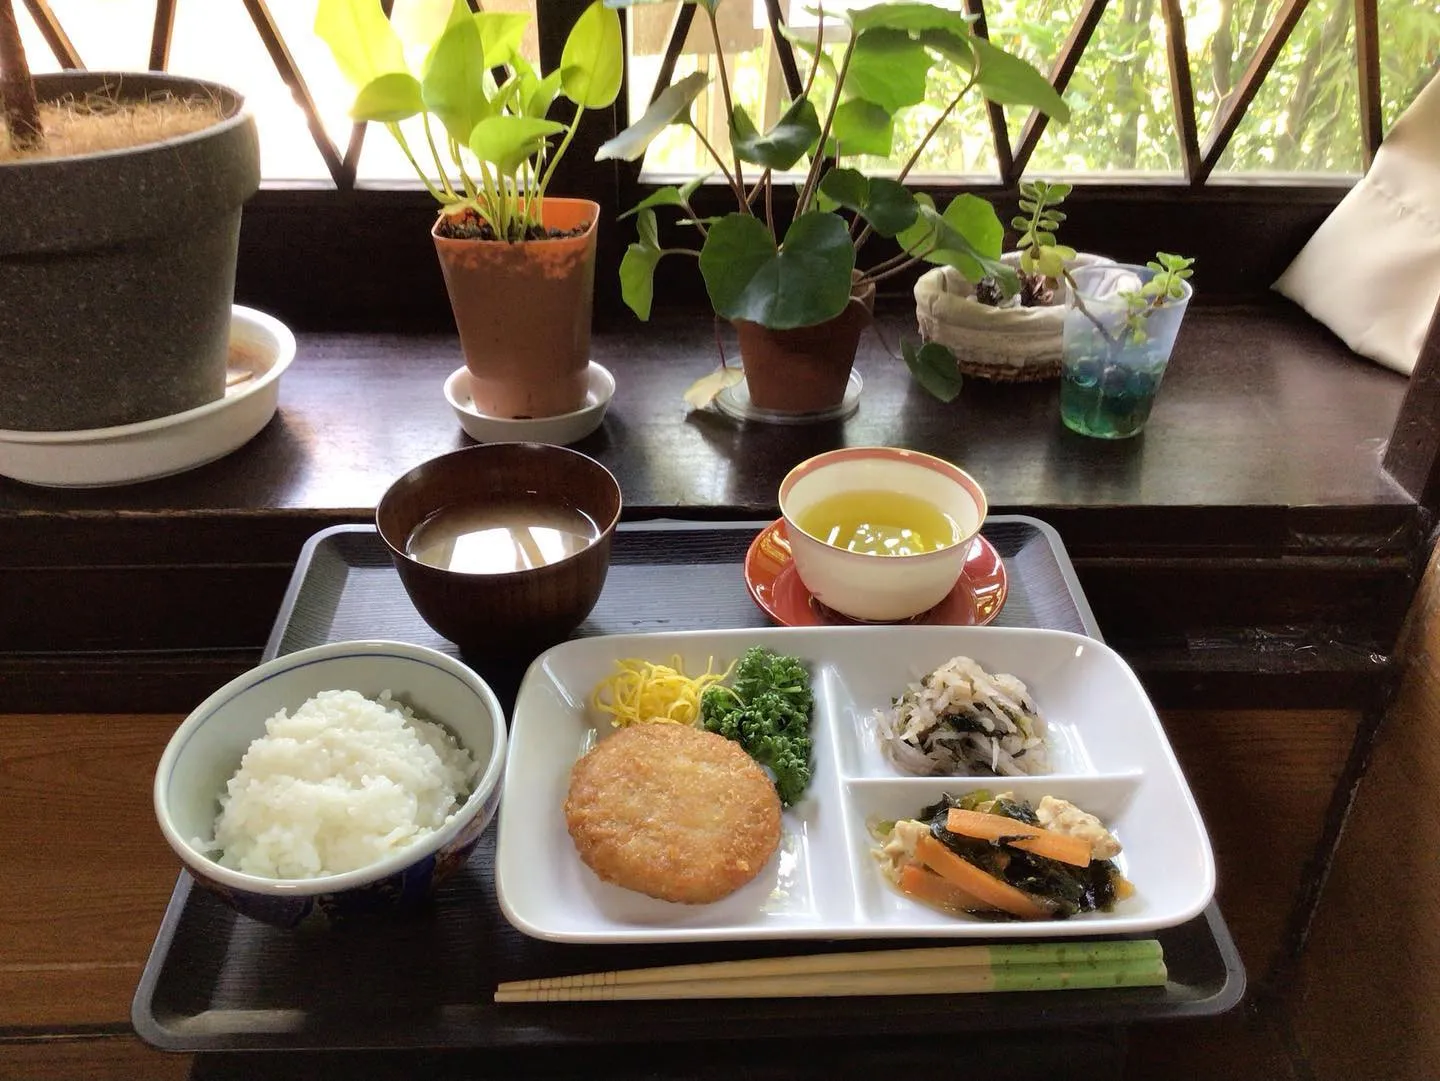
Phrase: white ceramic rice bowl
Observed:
(206, 750)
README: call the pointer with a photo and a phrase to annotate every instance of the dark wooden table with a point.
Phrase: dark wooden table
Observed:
(1247, 544)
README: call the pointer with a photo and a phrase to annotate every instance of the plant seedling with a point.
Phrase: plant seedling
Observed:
(492, 105)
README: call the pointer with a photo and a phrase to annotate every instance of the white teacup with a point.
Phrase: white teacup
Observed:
(880, 588)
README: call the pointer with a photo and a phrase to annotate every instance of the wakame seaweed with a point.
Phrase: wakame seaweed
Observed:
(1069, 890)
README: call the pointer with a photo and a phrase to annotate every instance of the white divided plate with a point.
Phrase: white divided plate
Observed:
(261, 348)
(1109, 754)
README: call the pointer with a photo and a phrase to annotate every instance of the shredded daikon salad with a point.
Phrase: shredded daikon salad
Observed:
(643, 692)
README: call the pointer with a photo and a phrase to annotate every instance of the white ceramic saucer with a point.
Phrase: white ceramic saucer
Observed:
(561, 430)
(261, 348)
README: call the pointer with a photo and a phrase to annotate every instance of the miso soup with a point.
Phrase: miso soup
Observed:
(500, 537)
(880, 523)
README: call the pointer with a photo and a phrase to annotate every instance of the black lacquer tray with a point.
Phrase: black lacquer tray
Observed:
(218, 982)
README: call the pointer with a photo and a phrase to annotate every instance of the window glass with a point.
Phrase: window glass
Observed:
(1121, 117)
(113, 36)
(1409, 52)
(1221, 40)
(1305, 118)
(219, 42)
(1035, 31)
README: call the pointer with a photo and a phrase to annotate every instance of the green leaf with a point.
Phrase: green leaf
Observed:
(673, 103)
(919, 236)
(501, 33)
(784, 144)
(886, 204)
(637, 278)
(666, 196)
(454, 83)
(648, 229)
(691, 186)
(846, 187)
(592, 64)
(506, 141)
(967, 237)
(363, 42)
(862, 127)
(888, 68)
(934, 368)
(807, 46)
(389, 99)
(954, 46)
(805, 281)
(420, 23)
(536, 94)
(908, 17)
(1008, 80)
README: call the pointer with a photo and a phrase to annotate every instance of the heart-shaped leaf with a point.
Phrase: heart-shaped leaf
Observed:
(506, 141)
(952, 46)
(888, 68)
(592, 64)
(500, 34)
(363, 42)
(934, 368)
(673, 103)
(908, 17)
(784, 144)
(454, 83)
(1008, 80)
(637, 278)
(967, 237)
(420, 24)
(803, 282)
(862, 127)
(389, 99)
(886, 204)
(666, 196)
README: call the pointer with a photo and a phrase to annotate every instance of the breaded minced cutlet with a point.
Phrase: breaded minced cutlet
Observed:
(674, 812)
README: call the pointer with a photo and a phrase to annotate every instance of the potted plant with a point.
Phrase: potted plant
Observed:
(120, 199)
(1120, 326)
(794, 290)
(519, 264)
(1014, 337)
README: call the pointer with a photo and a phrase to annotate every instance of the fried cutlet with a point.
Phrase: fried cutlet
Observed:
(674, 812)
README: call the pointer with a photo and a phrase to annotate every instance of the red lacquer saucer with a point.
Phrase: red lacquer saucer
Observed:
(773, 584)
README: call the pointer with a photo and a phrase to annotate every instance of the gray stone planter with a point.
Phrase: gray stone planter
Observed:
(117, 269)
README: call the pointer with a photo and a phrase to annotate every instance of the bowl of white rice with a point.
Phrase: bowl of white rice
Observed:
(337, 781)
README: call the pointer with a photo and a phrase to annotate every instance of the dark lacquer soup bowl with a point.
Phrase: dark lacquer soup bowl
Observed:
(503, 548)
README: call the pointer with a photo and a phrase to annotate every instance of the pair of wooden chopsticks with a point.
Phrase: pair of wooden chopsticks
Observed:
(943, 970)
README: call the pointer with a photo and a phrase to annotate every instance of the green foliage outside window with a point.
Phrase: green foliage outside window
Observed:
(1305, 119)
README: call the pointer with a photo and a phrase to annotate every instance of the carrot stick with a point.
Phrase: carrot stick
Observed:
(927, 886)
(1036, 839)
(976, 882)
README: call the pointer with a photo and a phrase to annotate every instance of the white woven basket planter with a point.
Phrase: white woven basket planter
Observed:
(1012, 345)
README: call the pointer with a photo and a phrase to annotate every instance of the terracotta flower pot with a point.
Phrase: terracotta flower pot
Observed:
(523, 312)
(807, 369)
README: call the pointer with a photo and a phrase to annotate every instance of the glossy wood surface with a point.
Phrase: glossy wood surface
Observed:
(1261, 407)
(1248, 549)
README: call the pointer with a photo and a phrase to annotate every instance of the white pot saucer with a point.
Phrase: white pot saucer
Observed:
(560, 430)
(261, 348)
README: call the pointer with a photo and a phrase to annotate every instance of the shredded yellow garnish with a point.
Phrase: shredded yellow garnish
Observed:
(642, 692)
